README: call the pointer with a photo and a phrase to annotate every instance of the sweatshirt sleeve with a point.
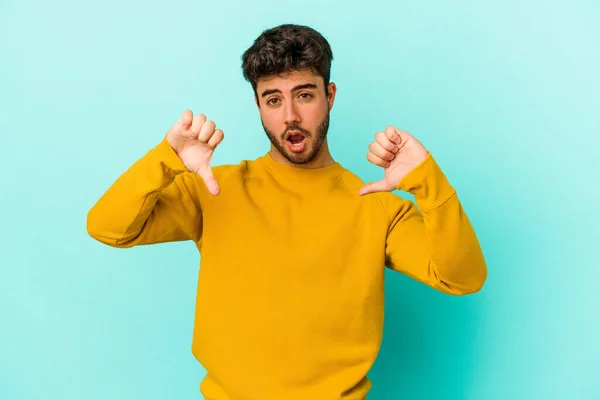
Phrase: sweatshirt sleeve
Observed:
(436, 246)
(156, 200)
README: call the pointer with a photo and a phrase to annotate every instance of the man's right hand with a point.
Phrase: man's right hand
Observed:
(194, 140)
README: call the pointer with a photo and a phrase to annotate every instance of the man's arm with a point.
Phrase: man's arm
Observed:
(156, 200)
(437, 245)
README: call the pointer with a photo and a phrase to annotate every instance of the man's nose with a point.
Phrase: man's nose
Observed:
(291, 114)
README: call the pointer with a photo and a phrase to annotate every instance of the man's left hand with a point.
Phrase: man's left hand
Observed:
(398, 153)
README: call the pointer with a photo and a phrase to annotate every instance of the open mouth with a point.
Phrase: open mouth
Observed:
(296, 141)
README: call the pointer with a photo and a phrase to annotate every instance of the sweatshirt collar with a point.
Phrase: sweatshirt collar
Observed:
(287, 171)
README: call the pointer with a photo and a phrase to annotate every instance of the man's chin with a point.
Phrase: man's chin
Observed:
(298, 157)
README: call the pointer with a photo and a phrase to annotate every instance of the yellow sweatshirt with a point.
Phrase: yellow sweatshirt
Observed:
(291, 285)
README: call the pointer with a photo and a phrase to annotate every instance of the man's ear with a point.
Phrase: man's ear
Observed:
(331, 92)
(256, 101)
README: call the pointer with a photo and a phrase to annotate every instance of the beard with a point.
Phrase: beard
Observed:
(306, 156)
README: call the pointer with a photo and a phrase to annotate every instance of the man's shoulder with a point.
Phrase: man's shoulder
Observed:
(225, 169)
(386, 199)
(351, 180)
(243, 167)
(237, 173)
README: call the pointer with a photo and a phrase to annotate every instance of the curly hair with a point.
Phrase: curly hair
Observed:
(284, 49)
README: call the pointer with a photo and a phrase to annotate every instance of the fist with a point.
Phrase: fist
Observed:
(195, 139)
(398, 153)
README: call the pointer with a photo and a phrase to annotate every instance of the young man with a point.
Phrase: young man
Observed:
(293, 246)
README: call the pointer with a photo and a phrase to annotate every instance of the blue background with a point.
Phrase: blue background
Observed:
(504, 94)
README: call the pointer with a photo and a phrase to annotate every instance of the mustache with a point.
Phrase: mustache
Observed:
(295, 128)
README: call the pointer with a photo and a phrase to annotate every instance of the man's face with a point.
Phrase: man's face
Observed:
(294, 111)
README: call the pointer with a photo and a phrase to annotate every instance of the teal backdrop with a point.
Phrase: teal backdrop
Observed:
(505, 94)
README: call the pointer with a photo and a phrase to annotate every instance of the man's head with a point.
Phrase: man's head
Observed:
(289, 68)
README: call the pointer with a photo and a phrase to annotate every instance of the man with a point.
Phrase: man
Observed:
(293, 246)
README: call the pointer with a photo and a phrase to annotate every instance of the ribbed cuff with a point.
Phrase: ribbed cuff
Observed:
(427, 183)
(165, 154)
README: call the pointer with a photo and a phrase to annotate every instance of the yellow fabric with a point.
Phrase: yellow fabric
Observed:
(290, 293)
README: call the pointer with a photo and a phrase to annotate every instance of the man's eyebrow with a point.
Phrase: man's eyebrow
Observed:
(299, 87)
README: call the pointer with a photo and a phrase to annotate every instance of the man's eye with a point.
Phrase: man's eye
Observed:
(272, 101)
(306, 95)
